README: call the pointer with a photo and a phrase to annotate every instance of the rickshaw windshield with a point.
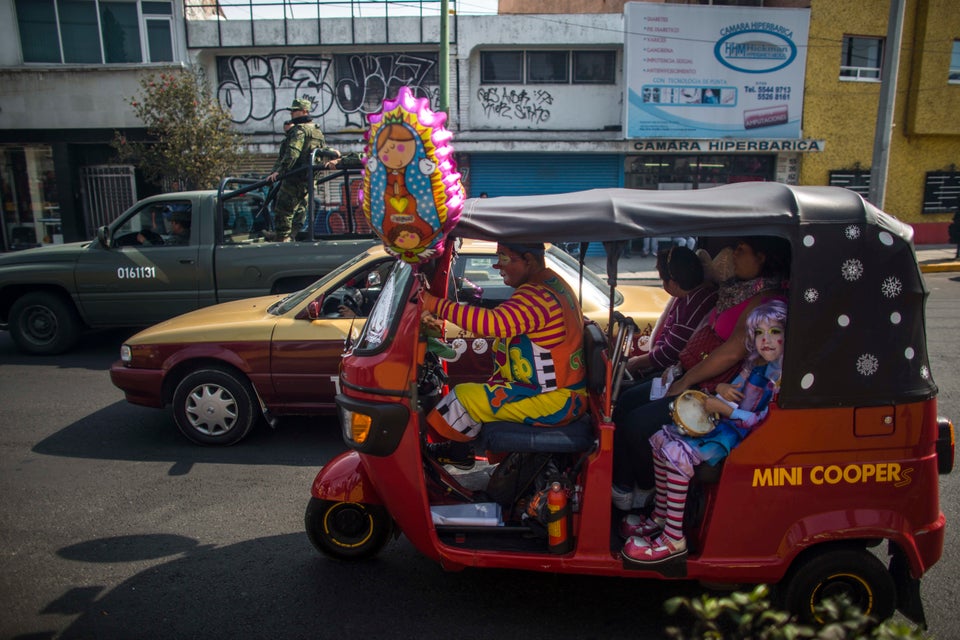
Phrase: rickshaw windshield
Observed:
(386, 312)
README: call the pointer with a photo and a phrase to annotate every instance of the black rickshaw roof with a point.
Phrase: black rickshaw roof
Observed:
(856, 331)
(754, 208)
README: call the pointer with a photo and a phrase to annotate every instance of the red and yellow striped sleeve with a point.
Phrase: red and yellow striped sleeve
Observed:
(532, 309)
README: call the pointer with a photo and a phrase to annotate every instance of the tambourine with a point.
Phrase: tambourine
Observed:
(690, 414)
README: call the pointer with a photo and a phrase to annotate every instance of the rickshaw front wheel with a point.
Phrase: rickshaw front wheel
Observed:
(347, 530)
(855, 573)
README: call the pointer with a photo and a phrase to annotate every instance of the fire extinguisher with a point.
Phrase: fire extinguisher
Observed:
(558, 520)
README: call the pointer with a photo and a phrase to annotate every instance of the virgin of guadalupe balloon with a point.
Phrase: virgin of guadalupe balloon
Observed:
(412, 195)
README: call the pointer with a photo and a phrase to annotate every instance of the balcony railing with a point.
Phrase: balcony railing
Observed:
(255, 23)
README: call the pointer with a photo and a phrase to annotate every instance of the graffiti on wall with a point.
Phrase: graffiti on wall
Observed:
(516, 104)
(344, 88)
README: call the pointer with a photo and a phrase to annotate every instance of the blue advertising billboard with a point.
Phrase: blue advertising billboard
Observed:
(694, 71)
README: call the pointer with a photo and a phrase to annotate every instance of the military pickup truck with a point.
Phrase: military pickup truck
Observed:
(167, 255)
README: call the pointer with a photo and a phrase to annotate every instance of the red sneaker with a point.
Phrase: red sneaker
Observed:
(634, 524)
(644, 551)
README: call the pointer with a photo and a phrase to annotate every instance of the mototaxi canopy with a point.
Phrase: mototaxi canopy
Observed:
(856, 330)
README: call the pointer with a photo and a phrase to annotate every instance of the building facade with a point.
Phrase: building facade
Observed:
(841, 104)
(653, 95)
(67, 71)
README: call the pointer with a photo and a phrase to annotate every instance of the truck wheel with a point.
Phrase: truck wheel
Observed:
(43, 323)
(855, 573)
(214, 407)
(347, 530)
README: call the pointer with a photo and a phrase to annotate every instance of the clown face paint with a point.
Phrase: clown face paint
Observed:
(768, 339)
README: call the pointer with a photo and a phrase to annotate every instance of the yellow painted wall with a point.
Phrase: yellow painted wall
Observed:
(926, 135)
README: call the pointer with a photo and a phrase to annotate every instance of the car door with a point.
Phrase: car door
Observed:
(146, 274)
(305, 354)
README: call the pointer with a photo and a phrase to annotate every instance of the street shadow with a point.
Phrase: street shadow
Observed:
(279, 587)
(123, 431)
(96, 351)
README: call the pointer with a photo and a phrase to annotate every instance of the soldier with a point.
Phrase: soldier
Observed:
(301, 139)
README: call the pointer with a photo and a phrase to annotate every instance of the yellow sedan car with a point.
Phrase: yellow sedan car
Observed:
(224, 367)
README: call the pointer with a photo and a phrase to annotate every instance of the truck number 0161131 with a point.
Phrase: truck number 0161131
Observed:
(134, 273)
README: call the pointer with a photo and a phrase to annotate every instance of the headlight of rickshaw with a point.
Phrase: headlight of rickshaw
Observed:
(356, 426)
(374, 428)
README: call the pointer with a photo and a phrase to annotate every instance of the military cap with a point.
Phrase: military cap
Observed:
(301, 104)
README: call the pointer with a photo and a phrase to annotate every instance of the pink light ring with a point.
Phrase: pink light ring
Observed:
(444, 155)
(441, 137)
(454, 209)
(372, 118)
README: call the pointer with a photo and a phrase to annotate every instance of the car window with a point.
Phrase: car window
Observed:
(341, 273)
(477, 282)
(245, 219)
(151, 225)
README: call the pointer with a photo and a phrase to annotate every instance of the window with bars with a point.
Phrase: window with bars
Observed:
(548, 67)
(941, 192)
(95, 31)
(857, 180)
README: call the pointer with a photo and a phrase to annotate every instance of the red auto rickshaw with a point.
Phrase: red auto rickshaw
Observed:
(836, 492)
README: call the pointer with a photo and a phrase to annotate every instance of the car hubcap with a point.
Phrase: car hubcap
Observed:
(211, 410)
(39, 324)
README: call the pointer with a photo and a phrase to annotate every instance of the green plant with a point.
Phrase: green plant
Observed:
(192, 140)
(751, 616)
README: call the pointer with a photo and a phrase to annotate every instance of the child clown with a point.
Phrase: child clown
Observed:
(743, 404)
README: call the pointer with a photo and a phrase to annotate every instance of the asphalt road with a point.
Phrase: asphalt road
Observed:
(113, 526)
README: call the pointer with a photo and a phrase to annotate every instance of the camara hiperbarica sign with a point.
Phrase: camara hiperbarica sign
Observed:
(714, 72)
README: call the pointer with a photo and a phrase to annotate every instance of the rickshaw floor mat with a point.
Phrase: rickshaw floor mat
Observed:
(506, 538)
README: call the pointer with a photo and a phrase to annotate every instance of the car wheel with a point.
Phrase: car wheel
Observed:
(347, 530)
(43, 323)
(214, 407)
(855, 573)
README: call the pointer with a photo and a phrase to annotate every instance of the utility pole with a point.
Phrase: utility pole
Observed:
(885, 109)
(445, 56)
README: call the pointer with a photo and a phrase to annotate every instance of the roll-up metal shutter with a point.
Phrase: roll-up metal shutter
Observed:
(521, 174)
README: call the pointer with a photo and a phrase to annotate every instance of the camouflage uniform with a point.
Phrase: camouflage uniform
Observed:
(290, 209)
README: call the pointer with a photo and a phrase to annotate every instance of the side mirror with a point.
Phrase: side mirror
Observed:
(103, 236)
(313, 309)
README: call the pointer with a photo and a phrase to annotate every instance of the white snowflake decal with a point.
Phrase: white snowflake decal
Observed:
(852, 232)
(925, 372)
(811, 295)
(867, 364)
(891, 287)
(852, 270)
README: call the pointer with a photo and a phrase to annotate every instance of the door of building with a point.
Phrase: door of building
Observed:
(108, 190)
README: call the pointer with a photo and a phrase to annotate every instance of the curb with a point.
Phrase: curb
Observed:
(940, 267)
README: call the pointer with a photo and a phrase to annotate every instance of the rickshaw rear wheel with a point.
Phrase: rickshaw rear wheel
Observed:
(855, 573)
(347, 530)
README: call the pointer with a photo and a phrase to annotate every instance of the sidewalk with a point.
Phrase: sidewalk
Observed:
(934, 258)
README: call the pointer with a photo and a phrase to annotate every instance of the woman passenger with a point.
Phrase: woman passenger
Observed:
(760, 265)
